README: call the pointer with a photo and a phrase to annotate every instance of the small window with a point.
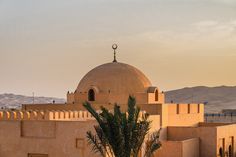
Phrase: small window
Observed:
(156, 95)
(189, 108)
(177, 108)
(198, 108)
(221, 152)
(230, 151)
(91, 95)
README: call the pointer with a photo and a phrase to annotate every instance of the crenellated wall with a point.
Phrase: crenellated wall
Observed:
(185, 114)
(56, 115)
(171, 114)
(46, 115)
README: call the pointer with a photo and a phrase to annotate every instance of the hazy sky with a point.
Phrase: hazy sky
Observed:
(46, 46)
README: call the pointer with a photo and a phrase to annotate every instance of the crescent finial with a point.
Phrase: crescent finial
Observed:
(114, 47)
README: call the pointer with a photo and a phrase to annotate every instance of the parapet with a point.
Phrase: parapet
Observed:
(186, 108)
(185, 114)
(46, 115)
(49, 115)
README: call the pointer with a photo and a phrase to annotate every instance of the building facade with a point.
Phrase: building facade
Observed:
(59, 130)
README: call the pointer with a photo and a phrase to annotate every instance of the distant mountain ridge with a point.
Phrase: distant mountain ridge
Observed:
(8, 100)
(215, 98)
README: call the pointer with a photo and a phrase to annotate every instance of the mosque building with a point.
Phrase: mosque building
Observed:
(59, 130)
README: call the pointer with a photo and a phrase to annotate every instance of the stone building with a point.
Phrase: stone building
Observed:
(59, 130)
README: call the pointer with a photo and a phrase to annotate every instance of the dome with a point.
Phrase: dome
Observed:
(115, 77)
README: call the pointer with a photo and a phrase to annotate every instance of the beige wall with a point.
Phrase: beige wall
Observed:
(190, 147)
(170, 149)
(152, 109)
(186, 148)
(56, 138)
(185, 114)
(110, 98)
(182, 133)
(120, 98)
(46, 115)
(207, 135)
(151, 98)
(155, 125)
(52, 137)
(179, 126)
(163, 115)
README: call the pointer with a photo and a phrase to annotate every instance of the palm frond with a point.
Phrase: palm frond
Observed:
(122, 134)
(152, 144)
(131, 108)
(96, 146)
(90, 109)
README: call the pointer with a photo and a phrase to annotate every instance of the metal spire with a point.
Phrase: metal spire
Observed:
(114, 47)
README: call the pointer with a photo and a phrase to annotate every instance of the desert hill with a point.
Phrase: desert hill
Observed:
(15, 101)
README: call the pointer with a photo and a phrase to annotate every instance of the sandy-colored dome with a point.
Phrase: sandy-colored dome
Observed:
(115, 77)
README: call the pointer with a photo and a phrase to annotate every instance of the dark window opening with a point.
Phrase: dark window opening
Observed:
(189, 108)
(198, 108)
(177, 109)
(156, 95)
(91, 95)
(221, 152)
(230, 151)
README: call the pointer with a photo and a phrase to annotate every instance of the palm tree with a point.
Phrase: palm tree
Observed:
(122, 134)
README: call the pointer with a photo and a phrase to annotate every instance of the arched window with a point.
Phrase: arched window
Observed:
(91, 95)
(230, 151)
(156, 95)
(221, 152)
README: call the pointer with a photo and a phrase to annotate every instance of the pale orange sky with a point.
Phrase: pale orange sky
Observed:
(46, 47)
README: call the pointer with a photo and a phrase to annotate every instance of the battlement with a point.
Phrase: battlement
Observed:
(185, 108)
(49, 115)
(46, 115)
(185, 114)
